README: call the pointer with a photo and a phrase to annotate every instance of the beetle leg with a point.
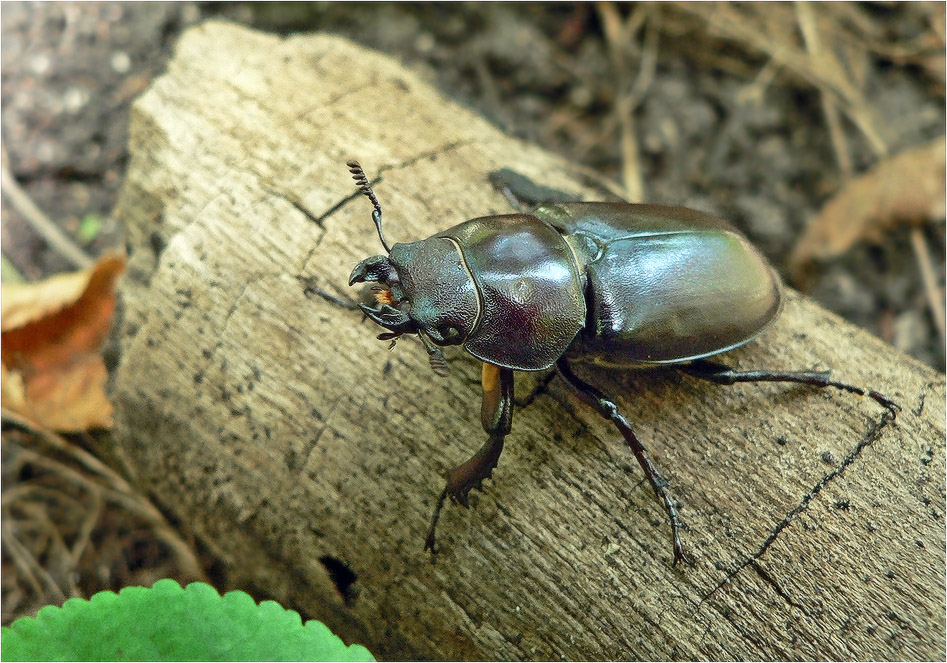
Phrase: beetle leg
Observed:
(609, 410)
(496, 415)
(723, 374)
(523, 194)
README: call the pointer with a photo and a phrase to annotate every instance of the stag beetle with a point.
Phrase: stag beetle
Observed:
(615, 284)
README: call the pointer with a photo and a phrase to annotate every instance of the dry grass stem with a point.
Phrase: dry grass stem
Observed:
(935, 297)
(810, 34)
(619, 37)
(766, 32)
(39, 578)
(107, 486)
(48, 230)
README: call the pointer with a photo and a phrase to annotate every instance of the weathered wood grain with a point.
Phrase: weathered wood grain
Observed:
(267, 418)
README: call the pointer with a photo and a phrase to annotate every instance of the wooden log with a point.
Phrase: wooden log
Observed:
(262, 413)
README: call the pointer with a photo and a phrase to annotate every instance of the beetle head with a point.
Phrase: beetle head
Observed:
(419, 288)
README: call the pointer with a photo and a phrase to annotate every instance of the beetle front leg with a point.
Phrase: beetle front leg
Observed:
(496, 415)
(609, 410)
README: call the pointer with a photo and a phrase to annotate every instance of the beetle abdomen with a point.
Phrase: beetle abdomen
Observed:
(670, 298)
(665, 284)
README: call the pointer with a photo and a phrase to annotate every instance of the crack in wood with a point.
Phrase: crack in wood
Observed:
(873, 434)
(329, 103)
(298, 205)
(314, 441)
(443, 149)
(342, 203)
(437, 151)
(771, 581)
(922, 400)
(234, 305)
(312, 289)
(320, 219)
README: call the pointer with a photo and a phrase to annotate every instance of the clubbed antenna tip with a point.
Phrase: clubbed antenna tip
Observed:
(361, 180)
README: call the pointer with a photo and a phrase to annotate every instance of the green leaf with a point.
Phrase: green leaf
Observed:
(89, 228)
(167, 623)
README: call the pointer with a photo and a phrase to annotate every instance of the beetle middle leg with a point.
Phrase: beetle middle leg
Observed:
(523, 194)
(496, 415)
(609, 410)
(723, 374)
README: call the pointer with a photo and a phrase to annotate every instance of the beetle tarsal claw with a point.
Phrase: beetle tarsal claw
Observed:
(460, 494)
(429, 540)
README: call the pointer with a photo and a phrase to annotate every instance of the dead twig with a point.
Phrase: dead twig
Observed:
(935, 298)
(40, 222)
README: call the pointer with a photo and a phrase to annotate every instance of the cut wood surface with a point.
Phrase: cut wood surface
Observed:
(261, 412)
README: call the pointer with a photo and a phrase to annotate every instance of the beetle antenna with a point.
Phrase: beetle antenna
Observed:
(435, 357)
(362, 181)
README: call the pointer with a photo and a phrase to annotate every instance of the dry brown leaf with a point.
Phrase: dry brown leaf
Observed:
(53, 330)
(906, 189)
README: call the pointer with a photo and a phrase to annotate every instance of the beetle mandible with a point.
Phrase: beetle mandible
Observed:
(618, 284)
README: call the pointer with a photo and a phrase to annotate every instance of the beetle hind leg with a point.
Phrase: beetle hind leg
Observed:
(723, 374)
(496, 415)
(609, 410)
